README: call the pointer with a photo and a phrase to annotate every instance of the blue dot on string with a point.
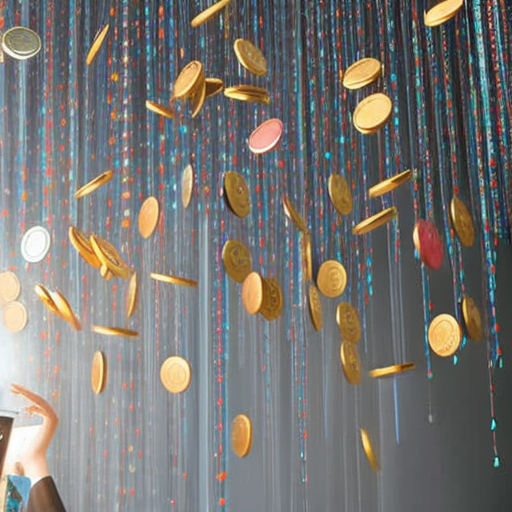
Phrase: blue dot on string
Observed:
(493, 424)
(327, 155)
(496, 462)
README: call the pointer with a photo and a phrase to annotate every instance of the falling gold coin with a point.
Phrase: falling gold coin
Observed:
(188, 80)
(132, 296)
(293, 215)
(94, 184)
(339, 192)
(209, 13)
(442, 12)
(348, 322)
(15, 316)
(148, 216)
(98, 372)
(83, 246)
(237, 194)
(159, 109)
(315, 307)
(187, 185)
(248, 93)
(331, 278)
(109, 257)
(350, 362)
(372, 113)
(462, 222)
(96, 45)
(10, 287)
(390, 184)
(241, 435)
(252, 293)
(308, 256)
(213, 86)
(272, 305)
(65, 310)
(237, 260)
(250, 57)
(46, 298)
(472, 319)
(115, 331)
(375, 221)
(444, 335)
(175, 374)
(181, 281)
(198, 97)
(388, 371)
(362, 73)
(368, 450)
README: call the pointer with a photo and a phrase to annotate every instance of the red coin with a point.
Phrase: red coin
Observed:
(266, 136)
(430, 244)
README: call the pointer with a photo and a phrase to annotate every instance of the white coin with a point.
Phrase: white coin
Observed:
(21, 43)
(35, 244)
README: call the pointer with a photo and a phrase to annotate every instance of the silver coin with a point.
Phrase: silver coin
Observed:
(21, 43)
(35, 244)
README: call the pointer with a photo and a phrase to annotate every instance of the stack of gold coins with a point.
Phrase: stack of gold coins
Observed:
(15, 314)
(191, 85)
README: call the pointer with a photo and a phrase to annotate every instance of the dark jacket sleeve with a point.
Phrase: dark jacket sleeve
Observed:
(44, 497)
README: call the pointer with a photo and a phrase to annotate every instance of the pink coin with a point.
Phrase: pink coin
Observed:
(266, 136)
(431, 246)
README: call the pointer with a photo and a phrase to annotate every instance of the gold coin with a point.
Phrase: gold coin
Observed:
(390, 184)
(362, 73)
(166, 278)
(15, 316)
(252, 293)
(237, 260)
(250, 57)
(462, 222)
(94, 184)
(315, 307)
(83, 246)
(213, 86)
(248, 93)
(114, 331)
(187, 185)
(350, 362)
(65, 310)
(375, 221)
(241, 435)
(10, 287)
(331, 278)
(272, 305)
(237, 194)
(159, 109)
(372, 113)
(96, 44)
(98, 372)
(472, 319)
(132, 296)
(293, 215)
(368, 450)
(175, 374)
(444, 335)
(387, 371)
(108, 256)
(198, 97)
(209, 13)
(308, 256)
(190, 77)
(149, 215)
(105, 273)
(442, 12)
(348, 321)
(46, 298)
(339, 192)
